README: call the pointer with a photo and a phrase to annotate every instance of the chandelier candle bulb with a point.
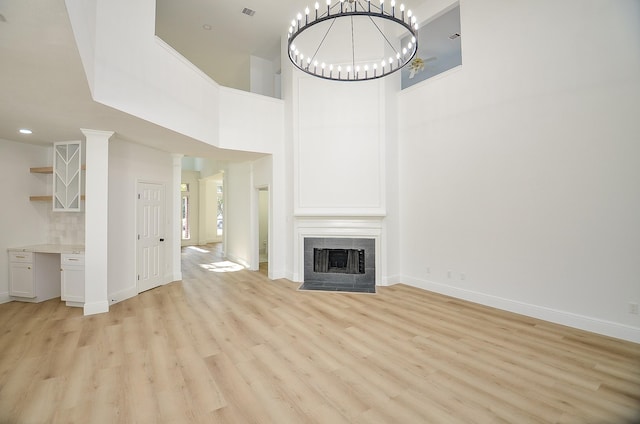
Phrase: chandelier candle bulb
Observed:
(393, 8)
(382, 7)
(369, 3)
(317, 7)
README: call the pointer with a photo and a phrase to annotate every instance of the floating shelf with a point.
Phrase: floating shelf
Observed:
(49, 169)
(47, 198)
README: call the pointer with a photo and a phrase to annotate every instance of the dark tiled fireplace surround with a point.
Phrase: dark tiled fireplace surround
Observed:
(340, 281)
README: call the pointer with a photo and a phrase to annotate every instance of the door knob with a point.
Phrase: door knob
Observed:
(161, 239)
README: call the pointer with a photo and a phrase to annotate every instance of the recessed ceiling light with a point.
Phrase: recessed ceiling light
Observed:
(207, 27)
(25, 131)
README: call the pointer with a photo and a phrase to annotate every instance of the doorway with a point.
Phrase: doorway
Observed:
(150, 235)
(263, 227)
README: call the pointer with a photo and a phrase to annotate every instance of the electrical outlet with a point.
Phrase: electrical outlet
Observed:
(633, 308)
(463, 276)
(428, 270)
(449, 274)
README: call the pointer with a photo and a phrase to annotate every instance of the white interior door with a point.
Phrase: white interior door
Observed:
(150, 248)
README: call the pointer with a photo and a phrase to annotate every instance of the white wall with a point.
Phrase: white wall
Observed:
(22, 222)
(238, 213)
(519, 171)
(250, 122)
(261, 76)
(128, 164)
(137, 73)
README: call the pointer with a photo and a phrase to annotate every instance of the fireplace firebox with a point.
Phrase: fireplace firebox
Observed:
(339, 264)
(345, 261)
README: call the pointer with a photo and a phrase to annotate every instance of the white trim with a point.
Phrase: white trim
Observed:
(581, 322)
(121, 295)
(4, 298)
(342, 210)
(239, 261)
(96, 307)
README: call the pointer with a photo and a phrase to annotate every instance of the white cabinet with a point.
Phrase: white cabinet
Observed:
(21, 275)
(72, 278)
(33, 277)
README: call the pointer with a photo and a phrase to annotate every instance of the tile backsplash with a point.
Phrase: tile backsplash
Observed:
(66, 227)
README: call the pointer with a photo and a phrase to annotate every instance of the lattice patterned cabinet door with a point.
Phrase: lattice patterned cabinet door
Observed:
(67, 177)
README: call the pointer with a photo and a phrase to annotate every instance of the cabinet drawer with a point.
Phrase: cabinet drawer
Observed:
(71, 259)
(20, 256)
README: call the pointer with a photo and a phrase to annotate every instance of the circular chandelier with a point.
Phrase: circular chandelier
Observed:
(350, 40)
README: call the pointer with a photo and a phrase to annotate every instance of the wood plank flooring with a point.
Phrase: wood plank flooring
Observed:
(237, 348)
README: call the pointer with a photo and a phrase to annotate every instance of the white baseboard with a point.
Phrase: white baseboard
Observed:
(4, 298)
(239, 261)
(390, 280)
(96, 307)
(582, 322)
(278, 274)
(121, 295)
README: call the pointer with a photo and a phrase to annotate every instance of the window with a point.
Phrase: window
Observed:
(439, 48)
(186, 233)
(219, 212)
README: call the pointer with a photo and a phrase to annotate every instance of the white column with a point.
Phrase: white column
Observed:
(96, 219)
(176, 218)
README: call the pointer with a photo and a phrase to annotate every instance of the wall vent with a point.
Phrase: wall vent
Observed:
(454, 36)
(248, 11)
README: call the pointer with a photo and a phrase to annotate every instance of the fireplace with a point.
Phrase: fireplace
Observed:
(339, 264)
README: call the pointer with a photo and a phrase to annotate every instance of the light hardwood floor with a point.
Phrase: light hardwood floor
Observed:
(237, 348)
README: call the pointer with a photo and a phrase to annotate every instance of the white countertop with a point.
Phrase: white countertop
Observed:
(50, 248)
